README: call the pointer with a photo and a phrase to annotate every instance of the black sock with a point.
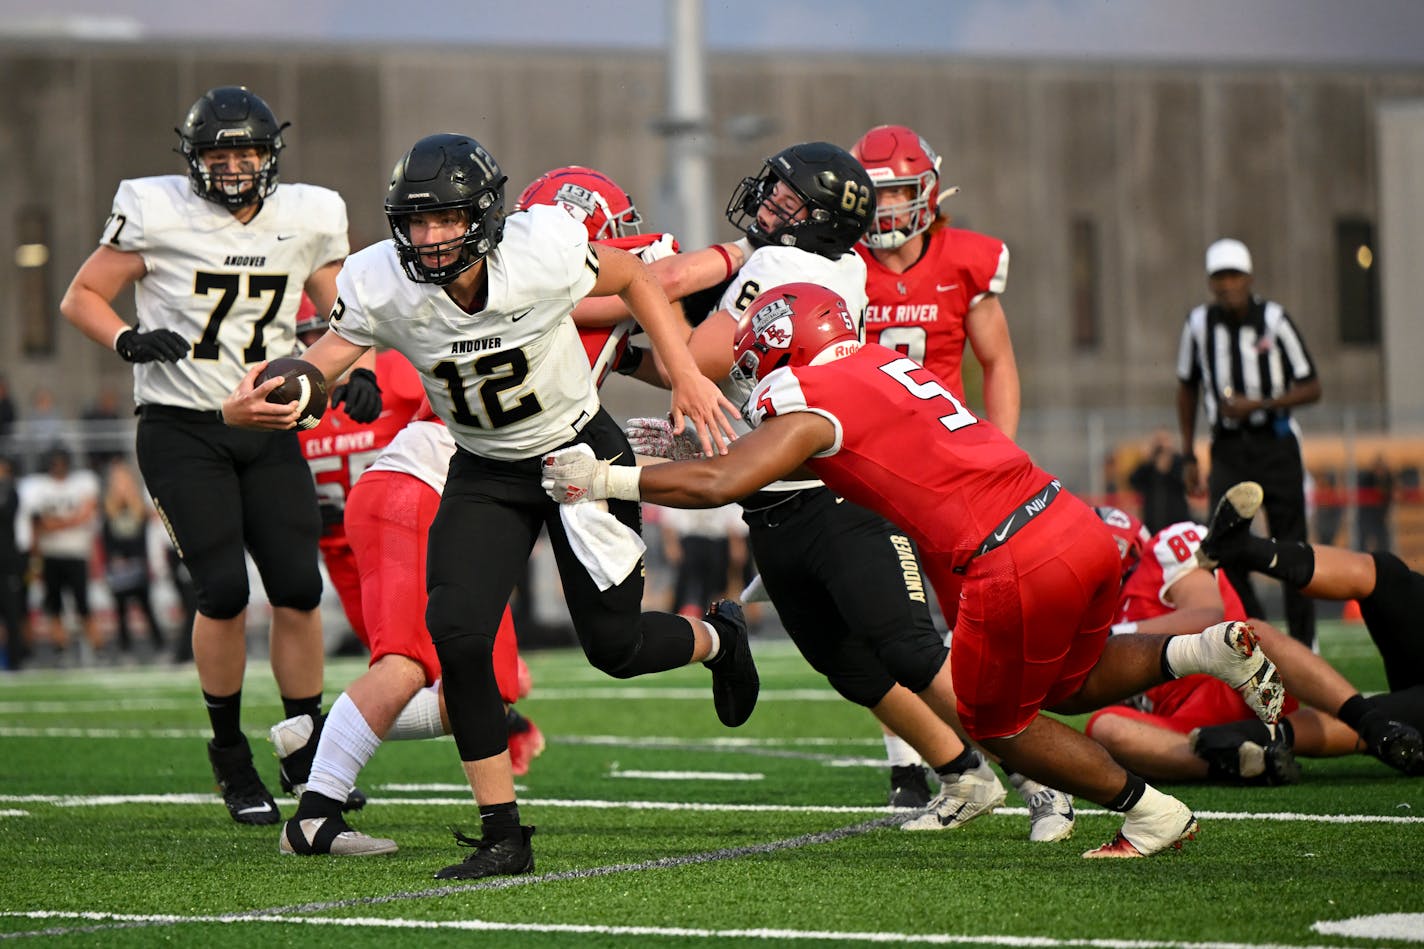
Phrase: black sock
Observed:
(1354, 710)
(499, 821)
(308, 706)
(968, 760)
(1130, 794)
(313, 804)
(225, 714)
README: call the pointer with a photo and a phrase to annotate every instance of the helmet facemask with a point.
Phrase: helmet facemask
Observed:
(233, 189)
(471, 246)
(896, 223)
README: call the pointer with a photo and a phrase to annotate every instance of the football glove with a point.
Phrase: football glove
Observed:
(361, 395)
(653, 437)
(156, 345)
(575, 474)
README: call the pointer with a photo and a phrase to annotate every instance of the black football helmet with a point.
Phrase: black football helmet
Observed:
(837, 191)
(439, 173)
(226, 117)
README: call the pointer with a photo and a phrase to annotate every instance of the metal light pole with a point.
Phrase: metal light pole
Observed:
(687, 193)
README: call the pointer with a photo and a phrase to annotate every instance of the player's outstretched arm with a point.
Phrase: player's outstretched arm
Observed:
(695, 398)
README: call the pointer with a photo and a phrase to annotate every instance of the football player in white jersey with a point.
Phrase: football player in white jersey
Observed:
(480, 304)
(218, 260)
(846, 582)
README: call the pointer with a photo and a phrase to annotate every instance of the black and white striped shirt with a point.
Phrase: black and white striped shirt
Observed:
(1259, 358)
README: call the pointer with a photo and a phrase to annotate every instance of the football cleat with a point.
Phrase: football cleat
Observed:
(246, 797)
(1237, 752)
(1229, 522)
(1167, 824)
(296, 740)
(909, 789)
(969, 795)
(735, 683)
(330, 835)
(508, 856)
(1396, 744)
(1050, 811)
(1230, 652)
(526, 742)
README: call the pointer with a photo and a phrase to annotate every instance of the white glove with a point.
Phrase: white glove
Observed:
(653, 437)
(574, 474)
(657, 250)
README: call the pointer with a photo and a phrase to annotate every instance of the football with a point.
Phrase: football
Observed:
(302, 383)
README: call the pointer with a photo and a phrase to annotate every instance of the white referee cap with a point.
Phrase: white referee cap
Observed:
(1227, 254)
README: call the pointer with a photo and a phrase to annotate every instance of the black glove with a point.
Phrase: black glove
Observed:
(160, 345)
(361, 395)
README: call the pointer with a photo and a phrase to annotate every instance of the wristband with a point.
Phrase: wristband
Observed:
(122, 330)
(623, 482)
(1123, 629)
(630, 360)
(727, 258)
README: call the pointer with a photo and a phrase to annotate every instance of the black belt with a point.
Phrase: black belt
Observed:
(782, 504)
(176, 413)
(1016, 521)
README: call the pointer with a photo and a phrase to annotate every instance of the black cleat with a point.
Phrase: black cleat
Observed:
(735, 684)
(908, 787)
(296, 739)
(1246, 752)
(246, 797)
(1396, 744)
(508, 856)
(1229, 523)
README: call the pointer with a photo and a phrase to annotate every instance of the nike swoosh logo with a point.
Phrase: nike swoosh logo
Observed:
(943, 288)
(285, 237)
(516, 319)
(840, 500)
(262, 808)
(1000, 535)
(615, 458)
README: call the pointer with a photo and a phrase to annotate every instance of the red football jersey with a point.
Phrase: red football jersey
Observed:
(891, 454)
(338, 449)
(921, 312)
(604, 344)
(1170, 555)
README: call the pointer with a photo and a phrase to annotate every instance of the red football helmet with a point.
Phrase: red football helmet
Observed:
(795, 324)
(590, 196)
(309, 320)
(897, 157)
(1131, 535)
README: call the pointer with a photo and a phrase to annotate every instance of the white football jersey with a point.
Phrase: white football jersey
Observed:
(42, 495)
(772, 266)
(511, 381)
(230, 289)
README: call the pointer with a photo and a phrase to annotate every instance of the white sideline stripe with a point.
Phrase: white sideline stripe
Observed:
(95, 705)
(1406, 926)
(14, 812)
(689, 775)
(104, 800)
(779, 935)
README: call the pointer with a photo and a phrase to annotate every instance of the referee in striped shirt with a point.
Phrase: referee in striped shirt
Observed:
(1245, 357)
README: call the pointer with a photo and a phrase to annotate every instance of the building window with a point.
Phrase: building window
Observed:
(36, 316)
(1083, 256)
(1357, 280)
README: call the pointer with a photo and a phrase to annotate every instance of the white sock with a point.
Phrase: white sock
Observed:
(1186, 655)
(420, 718)
(716, 642)
(899, 752)
(347, 743)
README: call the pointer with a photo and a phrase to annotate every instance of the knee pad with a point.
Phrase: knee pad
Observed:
(613, 656)
(296, 593)
(914, 661)
(862, 688)
(222, 595)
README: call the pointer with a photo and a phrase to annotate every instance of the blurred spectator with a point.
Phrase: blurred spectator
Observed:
(64, 506)
(12, 569)
(43, 422)
(1158, 479)
(126, 514)
(698, 545)
(105, 441)
(7, 414)
(1328, 507)
(1376, 496)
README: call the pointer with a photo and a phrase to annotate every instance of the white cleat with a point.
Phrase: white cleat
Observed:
(330, 835)
(1234, 655)
(1050, 811)
(1156, 823)
(974, 793)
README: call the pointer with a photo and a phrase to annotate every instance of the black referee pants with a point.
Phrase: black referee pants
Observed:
(1272, 460)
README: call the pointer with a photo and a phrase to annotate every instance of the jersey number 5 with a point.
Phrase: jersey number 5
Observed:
(900, 370)
(491, 383)
(258, 285)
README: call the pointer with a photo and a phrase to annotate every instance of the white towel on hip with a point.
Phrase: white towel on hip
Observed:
(608, 548)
